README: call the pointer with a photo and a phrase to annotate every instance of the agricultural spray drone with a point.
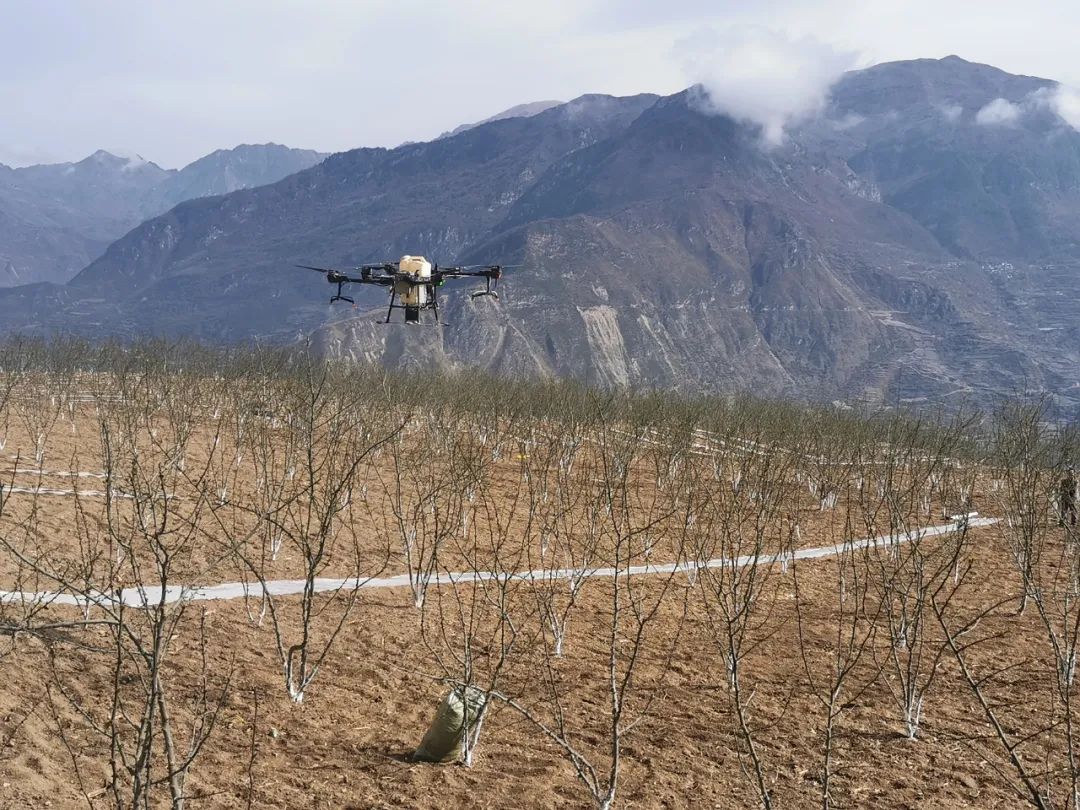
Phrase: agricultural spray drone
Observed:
(413, 282)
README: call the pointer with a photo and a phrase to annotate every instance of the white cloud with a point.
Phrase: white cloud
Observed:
(849, 121)
(762, 76)
(175, 81)
(999, 112)
(1062, 100)
(1067, 105)
(951, 112)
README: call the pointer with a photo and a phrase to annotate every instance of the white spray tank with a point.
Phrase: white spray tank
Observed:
(413, 295)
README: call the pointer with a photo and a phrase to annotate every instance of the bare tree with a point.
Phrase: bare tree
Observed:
(836, 639)
(630, 622)
(1032, 748)
(152, 533)
(317, 516)
(916, 568)
(741, 527)
(473, 622)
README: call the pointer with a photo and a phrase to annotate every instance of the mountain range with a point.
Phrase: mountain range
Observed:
(919, 239)
(55, 219)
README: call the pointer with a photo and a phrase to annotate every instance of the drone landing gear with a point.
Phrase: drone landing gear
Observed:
(390, 310)
(339, 296)
(488, 290)
(412, 312)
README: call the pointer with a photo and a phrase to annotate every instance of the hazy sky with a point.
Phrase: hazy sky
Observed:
(174, 80)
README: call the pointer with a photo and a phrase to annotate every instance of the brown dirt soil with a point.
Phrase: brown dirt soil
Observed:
(348, 743)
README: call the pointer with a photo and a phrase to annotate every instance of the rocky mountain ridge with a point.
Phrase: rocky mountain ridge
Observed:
(904, 245)
(526, 110)
(55, 219)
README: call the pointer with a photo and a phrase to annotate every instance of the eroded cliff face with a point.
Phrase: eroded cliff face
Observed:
(894, 248)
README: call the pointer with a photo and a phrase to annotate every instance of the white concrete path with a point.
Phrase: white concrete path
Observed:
(140, 597)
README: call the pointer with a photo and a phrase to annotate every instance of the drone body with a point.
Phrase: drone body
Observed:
(413, 283)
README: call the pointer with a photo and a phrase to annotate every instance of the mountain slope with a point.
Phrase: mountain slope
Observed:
(899, 247)
(56, 219)
(228, 170)
(435, 198)
(986, 187)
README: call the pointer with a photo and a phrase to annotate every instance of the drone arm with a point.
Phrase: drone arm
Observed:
(339, 277)
(382, 281)
(492, 272)
(368, 275)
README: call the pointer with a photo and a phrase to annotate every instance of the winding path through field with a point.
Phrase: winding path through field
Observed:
(140, 597)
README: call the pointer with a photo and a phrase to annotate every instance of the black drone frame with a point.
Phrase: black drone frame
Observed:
(389, 275)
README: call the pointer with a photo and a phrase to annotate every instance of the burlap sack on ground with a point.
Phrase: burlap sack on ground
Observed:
(446, 736)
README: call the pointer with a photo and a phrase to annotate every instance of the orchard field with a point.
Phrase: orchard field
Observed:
(248, 580)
